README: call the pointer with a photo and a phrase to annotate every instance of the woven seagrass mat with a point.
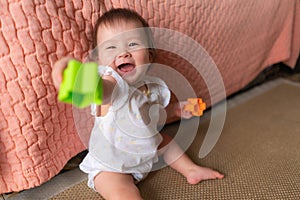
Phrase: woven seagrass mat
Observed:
(258, 151)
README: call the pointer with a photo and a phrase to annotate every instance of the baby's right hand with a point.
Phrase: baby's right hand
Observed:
(58, 69)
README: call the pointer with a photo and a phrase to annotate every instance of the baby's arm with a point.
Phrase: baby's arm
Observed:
(108, 86)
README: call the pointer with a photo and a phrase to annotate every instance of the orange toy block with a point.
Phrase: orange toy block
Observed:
(196, 106)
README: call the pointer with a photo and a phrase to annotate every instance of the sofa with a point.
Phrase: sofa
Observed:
(215, 48)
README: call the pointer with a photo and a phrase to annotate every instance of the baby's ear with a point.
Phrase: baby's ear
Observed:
(152, 55)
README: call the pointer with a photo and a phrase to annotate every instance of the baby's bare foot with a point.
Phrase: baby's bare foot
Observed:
(198, 174)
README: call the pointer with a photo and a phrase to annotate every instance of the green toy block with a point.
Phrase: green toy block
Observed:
(81, 85)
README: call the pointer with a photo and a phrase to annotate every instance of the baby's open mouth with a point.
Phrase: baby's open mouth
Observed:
(126, 67)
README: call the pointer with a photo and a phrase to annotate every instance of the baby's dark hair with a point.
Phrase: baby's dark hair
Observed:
(116, 15)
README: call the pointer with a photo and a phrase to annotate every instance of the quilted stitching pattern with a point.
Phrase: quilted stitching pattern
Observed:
(38, 135)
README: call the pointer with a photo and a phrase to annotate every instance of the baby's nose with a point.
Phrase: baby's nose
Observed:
(124, 54)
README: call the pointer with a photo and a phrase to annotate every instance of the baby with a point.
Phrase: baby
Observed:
(125, 141)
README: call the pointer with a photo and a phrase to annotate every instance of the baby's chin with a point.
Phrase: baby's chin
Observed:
(136, 77)
(133, 80)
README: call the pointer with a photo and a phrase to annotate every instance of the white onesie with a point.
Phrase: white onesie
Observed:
(126, 139)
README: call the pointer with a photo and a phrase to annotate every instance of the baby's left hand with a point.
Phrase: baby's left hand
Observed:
(181, 112)
(189, 108)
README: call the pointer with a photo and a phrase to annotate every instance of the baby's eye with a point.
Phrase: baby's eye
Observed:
(132, 44)
(110, 47)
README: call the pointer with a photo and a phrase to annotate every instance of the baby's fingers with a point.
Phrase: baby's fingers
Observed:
(57, 71)
(186, 114)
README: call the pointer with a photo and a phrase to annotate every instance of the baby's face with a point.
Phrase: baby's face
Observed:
(124, 48)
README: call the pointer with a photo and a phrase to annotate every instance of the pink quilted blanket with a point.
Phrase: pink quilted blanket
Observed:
(38, 134)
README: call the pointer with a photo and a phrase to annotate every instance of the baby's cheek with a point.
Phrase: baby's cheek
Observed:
(106, 58)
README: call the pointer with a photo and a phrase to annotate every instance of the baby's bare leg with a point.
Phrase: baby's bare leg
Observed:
(113, 185)
(178, 160)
